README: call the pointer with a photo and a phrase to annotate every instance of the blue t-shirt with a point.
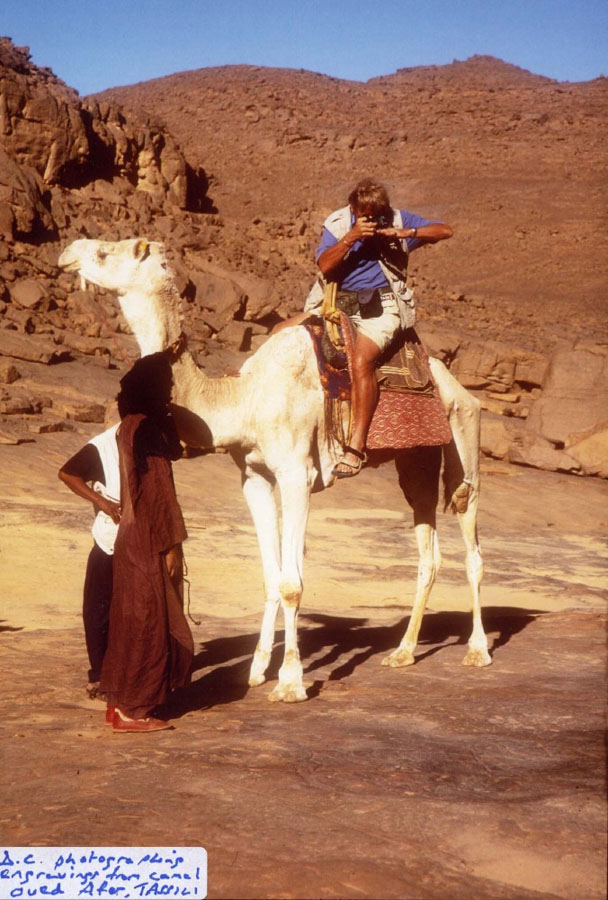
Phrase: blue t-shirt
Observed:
(363, 271)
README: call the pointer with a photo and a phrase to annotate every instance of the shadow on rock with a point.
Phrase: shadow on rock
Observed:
(227, 660)
(4, 627)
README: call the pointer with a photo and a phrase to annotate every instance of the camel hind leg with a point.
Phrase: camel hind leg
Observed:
(419, 480)
(477, 655)
(461, 472)
(461, 478)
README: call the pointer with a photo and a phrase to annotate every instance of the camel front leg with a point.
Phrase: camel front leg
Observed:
(259, 494)
(477, 654)
(429, 562)
(295, 489)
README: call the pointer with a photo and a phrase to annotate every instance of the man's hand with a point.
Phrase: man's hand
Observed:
(110, 508)
(394, 232)
(79, 486)
(174, 558)
(363, 228)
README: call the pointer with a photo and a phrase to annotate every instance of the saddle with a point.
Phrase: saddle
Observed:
(403, 367)
(409, 412)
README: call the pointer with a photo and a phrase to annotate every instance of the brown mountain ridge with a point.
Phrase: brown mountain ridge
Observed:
(512, 160)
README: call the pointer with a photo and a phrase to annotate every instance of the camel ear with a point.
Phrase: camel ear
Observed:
(141, 249)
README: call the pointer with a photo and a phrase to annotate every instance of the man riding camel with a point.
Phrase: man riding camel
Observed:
(364, 249)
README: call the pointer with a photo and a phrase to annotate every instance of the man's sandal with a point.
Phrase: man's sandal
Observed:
(354, 468)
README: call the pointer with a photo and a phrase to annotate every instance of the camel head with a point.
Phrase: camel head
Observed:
(138, 271)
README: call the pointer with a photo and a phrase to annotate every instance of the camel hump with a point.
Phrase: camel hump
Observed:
(285, 354)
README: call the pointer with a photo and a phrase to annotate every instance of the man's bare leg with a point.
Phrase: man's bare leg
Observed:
(364, 400)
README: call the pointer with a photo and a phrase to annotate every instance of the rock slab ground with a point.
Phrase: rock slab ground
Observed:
(434, 781)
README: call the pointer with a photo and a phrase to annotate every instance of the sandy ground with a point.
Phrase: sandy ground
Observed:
(431, 781)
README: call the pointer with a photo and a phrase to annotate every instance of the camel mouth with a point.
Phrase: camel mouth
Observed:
(67, 262)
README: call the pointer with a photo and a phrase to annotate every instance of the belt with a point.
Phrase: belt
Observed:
(351, 301)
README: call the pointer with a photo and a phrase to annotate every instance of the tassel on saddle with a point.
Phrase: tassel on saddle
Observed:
(332, 340)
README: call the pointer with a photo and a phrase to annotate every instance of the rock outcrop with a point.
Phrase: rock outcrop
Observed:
(49, 136)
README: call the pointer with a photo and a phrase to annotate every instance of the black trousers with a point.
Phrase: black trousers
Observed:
(97, 596)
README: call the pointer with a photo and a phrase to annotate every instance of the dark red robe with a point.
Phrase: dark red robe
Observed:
(150, 645)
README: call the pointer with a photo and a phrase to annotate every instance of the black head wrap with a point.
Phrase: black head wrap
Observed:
(146, 390)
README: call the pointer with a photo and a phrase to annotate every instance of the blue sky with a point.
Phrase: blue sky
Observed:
(101, 44)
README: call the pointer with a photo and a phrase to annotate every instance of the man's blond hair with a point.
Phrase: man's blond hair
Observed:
(371, 194)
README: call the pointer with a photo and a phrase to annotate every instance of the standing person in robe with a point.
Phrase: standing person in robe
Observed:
(93, 473)
(150, 647)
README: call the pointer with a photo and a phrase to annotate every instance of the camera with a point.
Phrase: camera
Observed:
(380, 220)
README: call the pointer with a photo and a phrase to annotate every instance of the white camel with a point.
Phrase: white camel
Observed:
(271, 419)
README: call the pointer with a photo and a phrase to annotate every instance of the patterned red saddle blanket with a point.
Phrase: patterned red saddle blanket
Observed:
(409, 412)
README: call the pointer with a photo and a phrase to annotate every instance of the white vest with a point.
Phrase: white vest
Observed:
(338, 223)
(104, 529)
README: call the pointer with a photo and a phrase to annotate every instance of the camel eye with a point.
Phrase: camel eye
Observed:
(101, 255)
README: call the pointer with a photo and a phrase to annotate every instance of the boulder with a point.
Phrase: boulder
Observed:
(257, 295)
(36, 349)
(217, 292)
(8, 372)
(81, 412)
(84, 303)
(485, 365)
(19, 404)
(592, 452)
(10, 435)
(441, 344)
(28, 293)
(575, 394)
(236, 335)
(530, 367)
(21, 318)
(496, 437)
(532, 450)
(89, 346)
(49, 427)
(492, 364)
(23, 210)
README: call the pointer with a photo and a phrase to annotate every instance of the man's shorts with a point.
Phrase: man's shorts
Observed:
(378, 320)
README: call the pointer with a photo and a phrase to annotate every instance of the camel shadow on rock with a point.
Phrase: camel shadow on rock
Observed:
(437, 631)
(9, 628)
(226, 660)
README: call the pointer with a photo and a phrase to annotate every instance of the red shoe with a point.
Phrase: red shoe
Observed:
(110, 715)
(139, 726)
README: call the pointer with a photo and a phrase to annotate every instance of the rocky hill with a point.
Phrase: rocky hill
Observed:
(234, 168)
(515, 162)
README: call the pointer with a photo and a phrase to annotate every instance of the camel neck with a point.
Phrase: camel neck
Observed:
(154, 319)
(209, 411)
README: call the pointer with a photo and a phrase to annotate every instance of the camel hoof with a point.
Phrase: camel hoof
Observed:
(288, 694)
(478, 657)
(399, 658)
(256, 680)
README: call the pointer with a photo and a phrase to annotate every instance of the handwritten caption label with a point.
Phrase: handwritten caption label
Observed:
(120, 873)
